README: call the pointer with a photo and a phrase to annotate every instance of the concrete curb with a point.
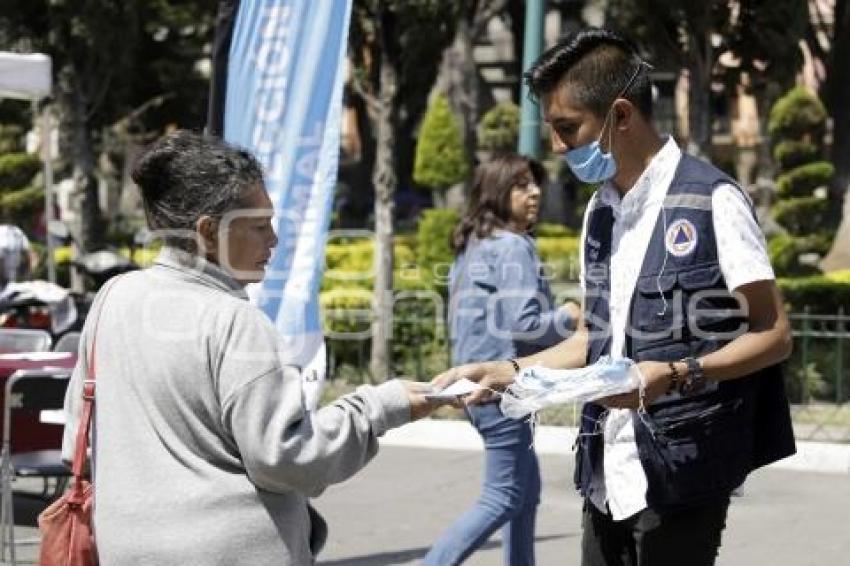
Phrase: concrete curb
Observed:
(459, 435)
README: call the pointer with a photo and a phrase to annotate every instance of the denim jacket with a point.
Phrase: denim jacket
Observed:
(500, 305)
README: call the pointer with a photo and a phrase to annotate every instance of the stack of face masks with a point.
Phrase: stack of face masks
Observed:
(537, 387)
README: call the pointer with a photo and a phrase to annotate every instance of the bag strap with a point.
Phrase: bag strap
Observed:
(84, 426)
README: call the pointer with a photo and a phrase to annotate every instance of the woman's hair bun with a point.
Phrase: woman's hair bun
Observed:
(154, 169)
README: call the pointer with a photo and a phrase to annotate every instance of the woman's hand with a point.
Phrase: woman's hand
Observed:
(421, 406)
(656, 378)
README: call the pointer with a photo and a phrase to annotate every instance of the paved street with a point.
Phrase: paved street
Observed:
(391, 512)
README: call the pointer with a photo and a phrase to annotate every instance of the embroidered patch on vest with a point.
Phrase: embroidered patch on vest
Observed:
(681, 238)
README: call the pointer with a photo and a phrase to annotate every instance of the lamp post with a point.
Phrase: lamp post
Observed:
(529, 126)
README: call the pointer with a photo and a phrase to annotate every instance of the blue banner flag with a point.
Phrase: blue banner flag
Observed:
(283, 101)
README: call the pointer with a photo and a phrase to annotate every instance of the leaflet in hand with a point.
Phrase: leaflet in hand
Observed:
(459, 388)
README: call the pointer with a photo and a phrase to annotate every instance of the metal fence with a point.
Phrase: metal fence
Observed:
(817, 376)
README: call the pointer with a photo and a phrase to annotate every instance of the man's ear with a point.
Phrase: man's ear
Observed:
(207, 229)
(624, 112)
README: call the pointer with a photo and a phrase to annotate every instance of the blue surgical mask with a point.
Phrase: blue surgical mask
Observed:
(590, 164)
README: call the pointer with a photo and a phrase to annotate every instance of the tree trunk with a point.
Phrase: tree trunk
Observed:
(840, 81)
(839, 256)
(385, 184)
(699, 96)
(88, 227)
(458, 79)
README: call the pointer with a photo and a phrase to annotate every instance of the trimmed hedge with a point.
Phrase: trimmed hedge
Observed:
(821, 294)
(790, 153)
(21, 201)
(801, 216)
(499, 128)
(785, 250)
(561, 255)
(552, 229)
(796, 114)
(434, 254)
(441, 159)
(802, 180)
(17, 170)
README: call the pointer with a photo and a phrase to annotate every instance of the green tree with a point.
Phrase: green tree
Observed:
(459, 76)
(761, 35)
(796, 126)
(441, 160)
(125, 63)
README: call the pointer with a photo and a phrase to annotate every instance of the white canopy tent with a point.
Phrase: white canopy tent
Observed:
(29, 77)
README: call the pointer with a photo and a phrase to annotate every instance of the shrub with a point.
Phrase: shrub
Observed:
(785, 250)
(21, 202)
(441, 159)
(350, 265)
(433, 250)
(561, 255)
(551, 229)
(11, 136)
(796, 114)
(17, 170)
(801, 181)
(790, 153)
(820, 294)
(842, 276)
(499, 128)
(801, 215)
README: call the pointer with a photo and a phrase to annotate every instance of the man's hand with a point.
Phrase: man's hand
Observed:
(656, 377)
(489, 375)
(572, 309)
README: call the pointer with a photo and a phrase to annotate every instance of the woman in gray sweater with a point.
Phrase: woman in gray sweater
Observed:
(204, 453)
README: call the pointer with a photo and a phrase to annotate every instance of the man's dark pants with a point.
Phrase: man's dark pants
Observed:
(689, 537)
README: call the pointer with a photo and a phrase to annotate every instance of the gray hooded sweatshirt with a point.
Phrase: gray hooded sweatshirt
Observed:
(204, 453)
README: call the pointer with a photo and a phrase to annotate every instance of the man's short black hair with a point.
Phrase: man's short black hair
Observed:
(597, 64)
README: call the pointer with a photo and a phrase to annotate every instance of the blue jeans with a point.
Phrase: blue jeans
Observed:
(509, 498)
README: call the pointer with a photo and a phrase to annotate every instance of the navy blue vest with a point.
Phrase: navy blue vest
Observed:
(692, 449)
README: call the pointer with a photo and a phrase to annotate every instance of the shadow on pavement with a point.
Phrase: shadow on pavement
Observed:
(402, 556)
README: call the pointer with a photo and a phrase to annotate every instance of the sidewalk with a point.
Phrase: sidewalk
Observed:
(450, 434)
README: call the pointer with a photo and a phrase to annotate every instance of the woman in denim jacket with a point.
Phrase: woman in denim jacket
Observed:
(501, 307)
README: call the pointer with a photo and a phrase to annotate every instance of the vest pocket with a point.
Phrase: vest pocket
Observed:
(700, 449)
(713, 315)
(659, 315)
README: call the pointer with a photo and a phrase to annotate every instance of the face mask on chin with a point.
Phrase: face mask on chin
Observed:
(588, 162)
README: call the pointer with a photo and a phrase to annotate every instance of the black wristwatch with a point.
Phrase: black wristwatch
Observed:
(695, 381)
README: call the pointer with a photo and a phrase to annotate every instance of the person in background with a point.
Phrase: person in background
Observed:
(501, 307)
(675, 276)
(17, 258)
(203, 450)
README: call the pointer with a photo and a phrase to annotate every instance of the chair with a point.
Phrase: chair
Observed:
(69, 342)
(24, 340)
(34, 390)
